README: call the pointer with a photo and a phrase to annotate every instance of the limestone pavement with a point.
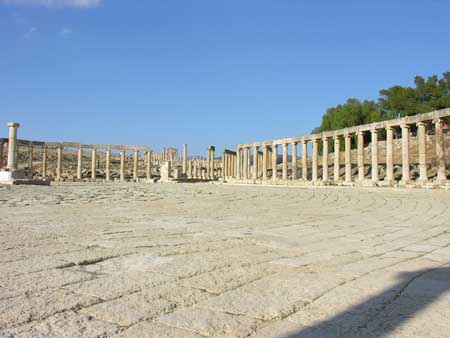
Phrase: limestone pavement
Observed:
(210, 260)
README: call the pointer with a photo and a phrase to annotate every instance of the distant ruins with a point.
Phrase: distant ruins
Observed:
(412, 152)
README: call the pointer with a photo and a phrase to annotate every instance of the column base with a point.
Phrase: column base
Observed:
(17, 177)
(387, 183)
(406, 184)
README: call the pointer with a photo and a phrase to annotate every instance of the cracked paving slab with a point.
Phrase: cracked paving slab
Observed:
(210, 260)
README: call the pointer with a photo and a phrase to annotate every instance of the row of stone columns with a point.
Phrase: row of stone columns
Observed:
(13, 164)
(59, 164)
(228, 164)
(243, 155)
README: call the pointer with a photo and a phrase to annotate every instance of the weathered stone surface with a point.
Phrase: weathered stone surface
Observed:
(205, 260)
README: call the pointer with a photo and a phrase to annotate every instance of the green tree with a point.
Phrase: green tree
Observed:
(427, 95)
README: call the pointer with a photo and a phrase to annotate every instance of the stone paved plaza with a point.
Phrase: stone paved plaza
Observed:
(210, 260)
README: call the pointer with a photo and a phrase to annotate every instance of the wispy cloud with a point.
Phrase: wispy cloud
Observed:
(54, 3)
(30, 33)
(65, 33)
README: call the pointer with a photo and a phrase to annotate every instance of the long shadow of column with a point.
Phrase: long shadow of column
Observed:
(379, 316)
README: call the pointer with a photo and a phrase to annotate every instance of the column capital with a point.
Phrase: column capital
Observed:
(374, 131)
(421, 124)
(389, 128)
(13, 124)
(305, 141)
(337, 137)
(405, 126)
(438, 121)
(325, 138)
(361, 132)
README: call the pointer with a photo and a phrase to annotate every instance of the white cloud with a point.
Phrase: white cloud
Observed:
(54, 3)
(29, 34)
(65, 33)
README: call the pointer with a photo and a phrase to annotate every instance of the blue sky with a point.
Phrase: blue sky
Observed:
(165, 72)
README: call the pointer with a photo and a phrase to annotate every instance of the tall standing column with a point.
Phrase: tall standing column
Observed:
(30, 159)
(238, 163)
(440, 150)
(245, 163)
(315, 151)
(185, 159)
(44, 162)
(264, 164)
(79, 162)
(422, 151)
(248, 162)
(348, 158)
(149, 164)
(135, 164)
(337, 164)
(122, 165)
(305, 160)
(405, 153)
(213, 165)
(108, 165)
(12, 146)
(94, 164)
(224, 164)
(285, 161)
(1, 153)
(274, 162)
(325, 160)
(255, 162)
(360, 155)
(374, 139)
(389, 155)
(58, 163)
(294, 160)
(208, 163)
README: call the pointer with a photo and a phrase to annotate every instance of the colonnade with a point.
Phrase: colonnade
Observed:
(14, 144)
(248, 162)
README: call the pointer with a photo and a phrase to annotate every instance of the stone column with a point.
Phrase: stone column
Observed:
(122, 165)
(59, 163)
(149, 164)
(274, 162)
(238, 163)
(405, 153)
(305, 160)
(348, 158)
(30, 159)
(79, 162)
(1, 153)
(12, 146)
(264, 163)
(245, 163)
(108, 165)
(422, 151)
(248, 162)
(224, 164)
(337, 164)
(389, 155)
(285, 161)
(213, 163)
(374, 140)
(135, 164)
(185, 159)
(325, 160)
(94, 164)
(44, 162)
(294, 160)
(315, 151)
(440, 150)
(360, 135)
(255, 162)
(208, 163)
